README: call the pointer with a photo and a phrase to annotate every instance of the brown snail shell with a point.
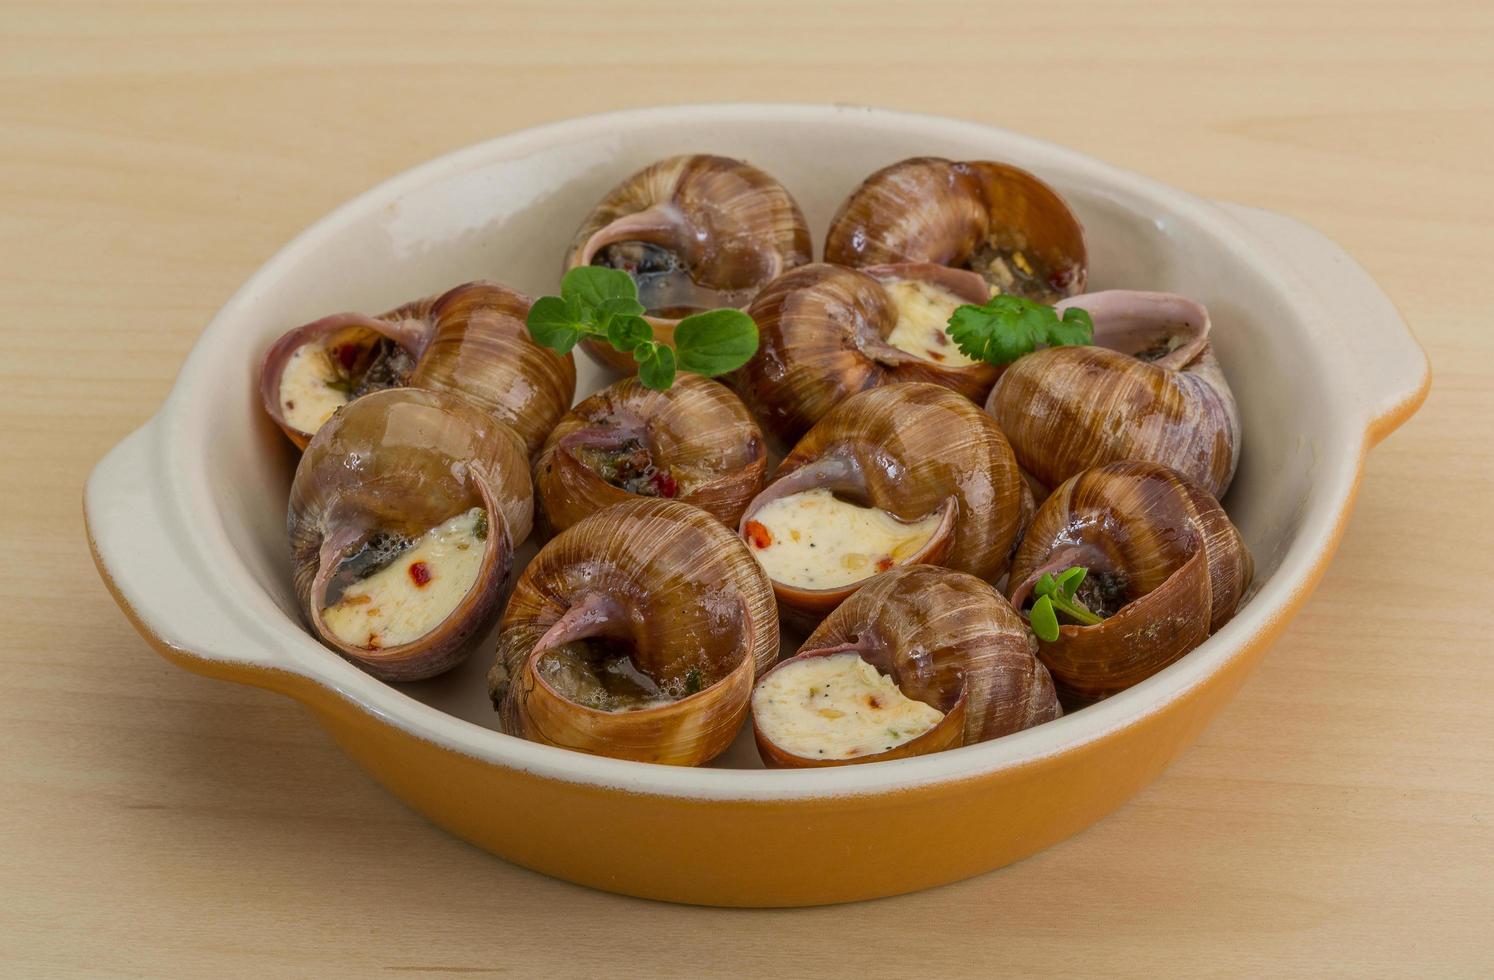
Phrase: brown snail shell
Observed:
(1150, 389)
(679, 592)
(400, 462)
(1172, 557)
(822, 336)
(471, 339)
(947, 639)
(697, 232)
(696, 440)
(911, 450)
(991, 217)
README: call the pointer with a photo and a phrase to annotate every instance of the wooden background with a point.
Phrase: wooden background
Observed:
(1337, 818)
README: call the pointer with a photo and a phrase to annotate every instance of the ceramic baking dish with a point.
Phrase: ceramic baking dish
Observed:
(187, 515)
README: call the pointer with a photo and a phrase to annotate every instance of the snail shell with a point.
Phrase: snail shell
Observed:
(663, 593)
(1158, 546)
(915, 451)
(471, 339)
(696, 232)
(993, 218)
(824, 333)
(396, 464)
(695, 442)
(1151, 389)
(946, 639)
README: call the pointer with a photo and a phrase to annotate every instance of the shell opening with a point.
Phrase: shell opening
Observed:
(320, 377)
(1159, 328)
(835, 706)
(1009, 265)
(601, 673)
(654, 247)
(623, 457)
(595, 657)
(395, 589)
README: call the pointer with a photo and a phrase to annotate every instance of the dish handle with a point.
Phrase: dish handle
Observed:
(1388, 374)
(143, 557)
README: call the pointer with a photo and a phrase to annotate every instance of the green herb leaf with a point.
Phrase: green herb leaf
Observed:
(555, 323)
(1075, 328)
(1070, 579)
(1045, 585)
(596, 301)
(1044, 621)
(1007, 327)
(655, 365)
(627, 332)
(591, 286)
(715, 342)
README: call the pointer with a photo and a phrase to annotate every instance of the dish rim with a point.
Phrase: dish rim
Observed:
(176, 432)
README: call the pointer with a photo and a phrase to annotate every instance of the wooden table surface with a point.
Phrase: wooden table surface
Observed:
(1337, 818)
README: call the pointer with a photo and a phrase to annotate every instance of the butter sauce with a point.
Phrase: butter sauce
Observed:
(815, 540)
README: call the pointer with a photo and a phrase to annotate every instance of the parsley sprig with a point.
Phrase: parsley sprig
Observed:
(595, 301)
(1006, 327)
(1056, 595)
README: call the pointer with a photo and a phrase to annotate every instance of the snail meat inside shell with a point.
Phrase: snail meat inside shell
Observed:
(599, 672)
(837, 707)
(816, 540)
(629, 466)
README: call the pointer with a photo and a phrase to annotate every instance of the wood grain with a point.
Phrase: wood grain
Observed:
(1337, 818)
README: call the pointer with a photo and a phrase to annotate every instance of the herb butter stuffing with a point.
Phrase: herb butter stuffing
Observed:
(815, 540)
(922, 329)
(406, 598)
(837, 707)
(311, 388)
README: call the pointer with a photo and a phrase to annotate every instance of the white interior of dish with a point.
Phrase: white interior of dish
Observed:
(505, 210)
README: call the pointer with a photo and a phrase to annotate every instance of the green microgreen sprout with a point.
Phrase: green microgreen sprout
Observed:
(595, 301)
(1056, 595)
(1006, 327)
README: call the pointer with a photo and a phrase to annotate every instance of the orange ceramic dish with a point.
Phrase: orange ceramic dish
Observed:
(187, 515)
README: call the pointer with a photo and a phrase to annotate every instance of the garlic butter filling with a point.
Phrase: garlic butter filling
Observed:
(410, 596)
(815, 540)
(923, 312)
(837, 707)
(310, 388)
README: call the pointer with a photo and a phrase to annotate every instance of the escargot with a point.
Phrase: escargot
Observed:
(898, 474)
(470, 339)
(999, 221)
(826, 332)
(1166, 568)
(921, 659)
(404, 515)
(694, 442)
(696, 233)
(636, 633)
(1150, 389)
